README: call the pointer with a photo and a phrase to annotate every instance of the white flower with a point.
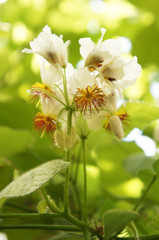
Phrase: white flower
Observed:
(120, 73)
(110, 118)
(88, 95)
(49, 46)
(51, 78)
(96, 55)
(80, 78)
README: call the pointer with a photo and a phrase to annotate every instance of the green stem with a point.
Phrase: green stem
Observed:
(52, 207)
(66, 193)
(86, 234)
(145, 192)
(75, 221)
(29, 215)
(42, 226)
(50, 95)
(85, 181)
(77, 199)
(65, 88)
(69, 217)
(133, 229)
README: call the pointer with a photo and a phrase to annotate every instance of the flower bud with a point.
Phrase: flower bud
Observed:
(64, 140)
(82, 126)
(116, 126)
(70, 139)
(59, 138)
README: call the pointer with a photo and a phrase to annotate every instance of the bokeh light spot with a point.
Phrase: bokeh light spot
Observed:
(125, 44)
(147, 144)
(154, 89)
(20, 33)
(3, 236)
(98, 6)
(93, 26)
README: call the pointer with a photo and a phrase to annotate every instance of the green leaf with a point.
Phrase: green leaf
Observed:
(154, 224)
(33, 179)
(156, 166)
(134, 110)
(2, 201)
(14, 141)
(116, 220)
(137, 162)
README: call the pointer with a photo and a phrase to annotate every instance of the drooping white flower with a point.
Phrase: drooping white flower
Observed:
(49, 46)
(96, 55)
(51, 77)
(120, 73)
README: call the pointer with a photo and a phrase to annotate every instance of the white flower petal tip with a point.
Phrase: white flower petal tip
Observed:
(116, 126)
(103, 31)
(26, 50)
(50, 47)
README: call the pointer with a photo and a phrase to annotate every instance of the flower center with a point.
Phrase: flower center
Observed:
(89, 98)
(44, 123)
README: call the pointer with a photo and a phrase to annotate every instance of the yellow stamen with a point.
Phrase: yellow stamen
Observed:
(89, 98)
(37, 89)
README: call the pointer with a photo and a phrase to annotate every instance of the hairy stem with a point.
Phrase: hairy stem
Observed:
(42, 226)
(85, 182)
(52, 207)
(66, 193)
(65, 88)
(86, 233)
(29, 215)
(145, 192)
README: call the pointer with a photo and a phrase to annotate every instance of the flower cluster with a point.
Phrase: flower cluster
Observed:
(92, 90)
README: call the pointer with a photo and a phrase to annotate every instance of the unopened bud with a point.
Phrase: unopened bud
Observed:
(116, 126)
(82, 126)
(70, 139)
(64, 140)
(59, 138)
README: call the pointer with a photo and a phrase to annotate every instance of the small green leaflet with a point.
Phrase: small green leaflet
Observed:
(134, 110)
(116, 220)
(33, 179)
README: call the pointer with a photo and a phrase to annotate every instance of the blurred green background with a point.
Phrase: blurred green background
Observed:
(113, 166)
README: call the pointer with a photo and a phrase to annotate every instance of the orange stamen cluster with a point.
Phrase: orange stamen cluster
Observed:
(39, 89)
(44, 123)
(89, 98)
(124, 118)
(107, 126)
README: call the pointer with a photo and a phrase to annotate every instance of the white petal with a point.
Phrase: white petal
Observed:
(103, 30)
(86, 46)
(26, 50)
(112, 46)
(132, 71)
